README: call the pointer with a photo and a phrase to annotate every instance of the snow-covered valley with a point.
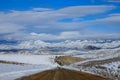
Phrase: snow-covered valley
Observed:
(38, 56)
(32, 64)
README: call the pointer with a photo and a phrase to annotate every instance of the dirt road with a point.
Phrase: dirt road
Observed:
(63, 74)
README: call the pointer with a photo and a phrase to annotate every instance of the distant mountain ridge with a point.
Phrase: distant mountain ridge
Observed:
(65, 45)
(8, 42)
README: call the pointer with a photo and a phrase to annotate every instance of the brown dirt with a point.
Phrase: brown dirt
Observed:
(63, 74)
(10, 62)
(67, 60)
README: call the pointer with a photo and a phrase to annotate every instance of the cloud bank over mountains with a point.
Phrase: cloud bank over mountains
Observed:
(59, 24)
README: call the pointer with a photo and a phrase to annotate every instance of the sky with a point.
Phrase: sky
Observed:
(51, 20)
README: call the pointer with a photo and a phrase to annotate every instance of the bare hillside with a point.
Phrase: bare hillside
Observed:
(67, 60)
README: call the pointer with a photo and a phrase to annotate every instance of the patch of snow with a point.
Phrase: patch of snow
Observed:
(113, 65)
(34, 64)
(18, 74)
(29, 59)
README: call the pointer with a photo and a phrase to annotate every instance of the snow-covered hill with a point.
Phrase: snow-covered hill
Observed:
(77, 44)
(37, 54)
(32, 64)
(85, 48)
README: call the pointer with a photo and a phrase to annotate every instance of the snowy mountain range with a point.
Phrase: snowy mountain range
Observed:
(67, 47)
(77, 44)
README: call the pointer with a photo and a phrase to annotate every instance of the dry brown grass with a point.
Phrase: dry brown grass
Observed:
(67, 60)
(10, 62)
(63, 74)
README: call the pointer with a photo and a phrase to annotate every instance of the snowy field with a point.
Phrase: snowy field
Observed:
(42, 57)
(11, 72)
(29, 59)
(33, 64)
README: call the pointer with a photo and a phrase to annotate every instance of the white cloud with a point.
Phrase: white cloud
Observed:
(9, 28)
(41, 9)
(42, 36)
(49, 18)
(16, 36)
(45, 19)
(79, 11)
(61, 36)
(68, 35)
(111, 20)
